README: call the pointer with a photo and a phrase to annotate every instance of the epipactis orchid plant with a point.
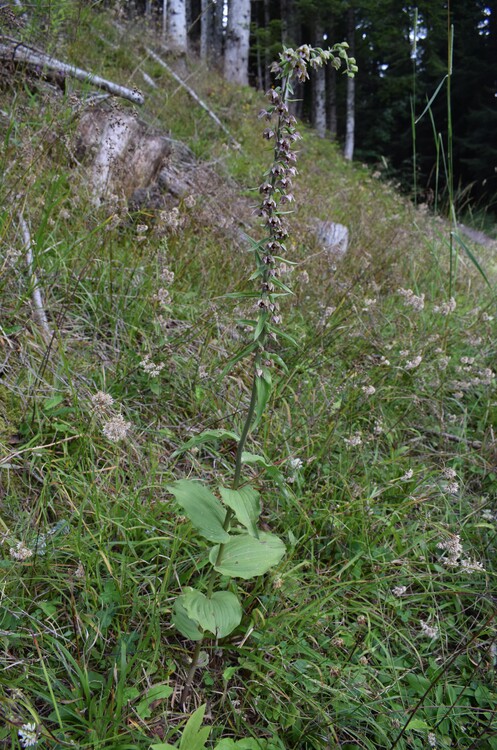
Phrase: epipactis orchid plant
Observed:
(229, 518)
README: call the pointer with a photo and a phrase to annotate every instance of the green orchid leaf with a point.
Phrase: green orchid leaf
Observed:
(246, 557)
(193, 737)
(246, 505)
(202, 508)
(220, 614)
(187, 627)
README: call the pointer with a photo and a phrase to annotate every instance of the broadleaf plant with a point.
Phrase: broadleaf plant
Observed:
(241, 550)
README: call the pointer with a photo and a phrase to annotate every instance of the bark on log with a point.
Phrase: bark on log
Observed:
(36, 296)
(12, 50)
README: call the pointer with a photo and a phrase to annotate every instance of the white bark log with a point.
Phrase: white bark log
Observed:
(38, 308)
(176, 37)
(13, 50)
(237, 42)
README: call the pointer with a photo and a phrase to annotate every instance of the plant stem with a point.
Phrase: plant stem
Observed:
(185, 693)
(246, 426)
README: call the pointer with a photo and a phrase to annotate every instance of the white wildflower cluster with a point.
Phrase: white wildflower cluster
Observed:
(167, 276)
(475, 376)
(150, 367)
(189, 201)
(368, 390)
(432, 739)
(368, 303)
(163, 297)
(353, 440)
(378, 429)
(472, 566)
(408, 475)
(12, 255)
(428, 630)
(446, 308)
(454, 550)
(295, 465)
(417, 302)
(171, 220)
(303, 278)
(399, 591)
(116, 429)
(28, 736)
(453, 558)
(20, 552)
(449, 473)
(412, 364)
(326, 315)
(101, 401)
(141, 231)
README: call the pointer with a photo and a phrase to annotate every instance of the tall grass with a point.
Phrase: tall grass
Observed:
(376, 460)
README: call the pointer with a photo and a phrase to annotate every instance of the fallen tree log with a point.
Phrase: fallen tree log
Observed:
(15, 51)
(36, 296)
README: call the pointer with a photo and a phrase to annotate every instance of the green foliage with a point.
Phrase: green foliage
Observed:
(329, 651)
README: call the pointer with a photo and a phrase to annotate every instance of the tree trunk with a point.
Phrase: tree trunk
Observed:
(176, 37)
(267, 56)
(237, 42)
(289, 26)
(350, 117)
(319, 91)
(206, 29)
(332, 102)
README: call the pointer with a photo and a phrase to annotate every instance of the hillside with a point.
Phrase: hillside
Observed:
(375, 457)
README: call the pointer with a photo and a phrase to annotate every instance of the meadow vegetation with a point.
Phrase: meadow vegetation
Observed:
(375, 459)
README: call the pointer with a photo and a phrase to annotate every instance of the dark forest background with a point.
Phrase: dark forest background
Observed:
(403, 52)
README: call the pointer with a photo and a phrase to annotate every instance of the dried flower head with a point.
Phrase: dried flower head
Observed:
(417, 302)
(116, 429)
(428, 630)
(150, 367)
(353, 440)
(446, 308)
(368, 390)
(20, 552)
(101, 401)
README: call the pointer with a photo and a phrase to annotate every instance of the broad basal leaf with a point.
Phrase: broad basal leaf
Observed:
(194, 737)
(246, 557)
(246, 505)
(220, 614)
(188, 628)
(202, 508)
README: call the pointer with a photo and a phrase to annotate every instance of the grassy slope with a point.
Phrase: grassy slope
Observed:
(327, 655)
